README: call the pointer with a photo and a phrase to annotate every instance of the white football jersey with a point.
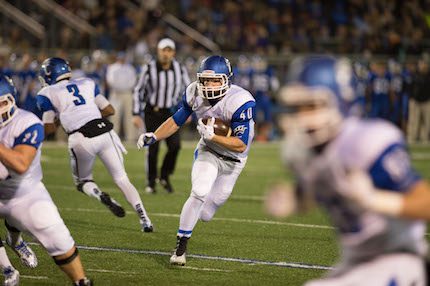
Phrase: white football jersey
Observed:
(236, 107)
(72, 100)
(25, 128)
(377, 148)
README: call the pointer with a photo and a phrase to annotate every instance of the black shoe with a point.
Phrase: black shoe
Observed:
(83, 282)
(181, 245)
(179, 255)
(166, 185)
(149, 228)
(113, 206)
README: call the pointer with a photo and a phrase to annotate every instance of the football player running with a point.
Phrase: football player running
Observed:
(82, 111)
(218, 160)
(25, 203)
(360, 172)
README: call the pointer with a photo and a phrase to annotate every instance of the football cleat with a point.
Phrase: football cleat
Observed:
(83, 282)
(24, 252)
(146, 226)
(178, 257)
(113, 206)
(178, 260)
(11, 276)
(166, 185)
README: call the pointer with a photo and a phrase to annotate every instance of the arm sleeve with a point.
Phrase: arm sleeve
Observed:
(138, 93)
(392, 170)
(101, 102)
(44, 103)
(183, 113)
(32, 136)
(242, 121)
(96, 90)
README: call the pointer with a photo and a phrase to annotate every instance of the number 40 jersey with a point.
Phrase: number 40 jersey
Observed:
(74, 101)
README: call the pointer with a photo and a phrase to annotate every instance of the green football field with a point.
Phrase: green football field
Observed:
(240, 246)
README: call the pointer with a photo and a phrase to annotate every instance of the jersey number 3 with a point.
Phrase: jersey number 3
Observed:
(73, 88)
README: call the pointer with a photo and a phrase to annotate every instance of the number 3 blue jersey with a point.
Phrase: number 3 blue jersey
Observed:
(72, 100)
(24, 129)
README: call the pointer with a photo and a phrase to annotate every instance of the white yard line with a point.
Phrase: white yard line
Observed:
(239, 220)
(112, 271)
(34, 277)
(197, 256)
(207, 257)
(112, 189)
(206, 269)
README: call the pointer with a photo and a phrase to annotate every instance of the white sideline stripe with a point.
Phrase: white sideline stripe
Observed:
(112, 271)
(200, 256)
(218, 219)
(73, 188)
(206, 269)
(207, 257)
(34, 277)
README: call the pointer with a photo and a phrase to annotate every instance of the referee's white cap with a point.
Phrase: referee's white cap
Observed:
(166, 43)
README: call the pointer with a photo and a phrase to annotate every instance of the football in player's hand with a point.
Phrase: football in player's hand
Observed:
(220, 127)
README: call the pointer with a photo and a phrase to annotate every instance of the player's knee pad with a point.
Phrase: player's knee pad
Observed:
(67, 260)
(198, 195)
(200, 190)
(206, 215)
(208, 211)
(80, 185)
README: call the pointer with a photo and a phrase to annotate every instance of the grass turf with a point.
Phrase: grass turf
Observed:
(115, 252)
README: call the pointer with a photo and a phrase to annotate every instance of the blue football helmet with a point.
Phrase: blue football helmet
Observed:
(214, 68)
(318, 96)
(53, 70)
(7, 100)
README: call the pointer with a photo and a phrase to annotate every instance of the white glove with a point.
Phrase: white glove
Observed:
(146, 139)
(206, 131)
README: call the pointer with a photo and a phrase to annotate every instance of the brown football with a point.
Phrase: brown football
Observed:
(220, 127)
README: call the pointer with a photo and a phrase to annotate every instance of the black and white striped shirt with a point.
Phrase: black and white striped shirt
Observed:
(159, 88)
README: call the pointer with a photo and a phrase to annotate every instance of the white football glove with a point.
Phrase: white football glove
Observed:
(146, 139)
(206, 131)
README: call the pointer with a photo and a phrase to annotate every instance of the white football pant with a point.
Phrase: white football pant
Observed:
(213, 180)
(34, 212)
(108, 147)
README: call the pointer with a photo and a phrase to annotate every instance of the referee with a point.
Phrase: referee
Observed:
(156, 95)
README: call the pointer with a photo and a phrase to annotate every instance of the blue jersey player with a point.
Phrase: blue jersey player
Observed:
(25, 203)
(218, 160)
(360, 172)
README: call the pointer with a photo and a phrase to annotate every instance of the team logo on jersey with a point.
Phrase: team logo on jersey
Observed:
(239, 130)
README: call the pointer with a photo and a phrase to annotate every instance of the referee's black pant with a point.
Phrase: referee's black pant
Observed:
(154, 117)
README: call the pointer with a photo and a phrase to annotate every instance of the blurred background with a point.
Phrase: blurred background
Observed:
(387, 40)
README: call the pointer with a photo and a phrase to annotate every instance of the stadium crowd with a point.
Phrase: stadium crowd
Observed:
(386, 88)
(264, 29)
